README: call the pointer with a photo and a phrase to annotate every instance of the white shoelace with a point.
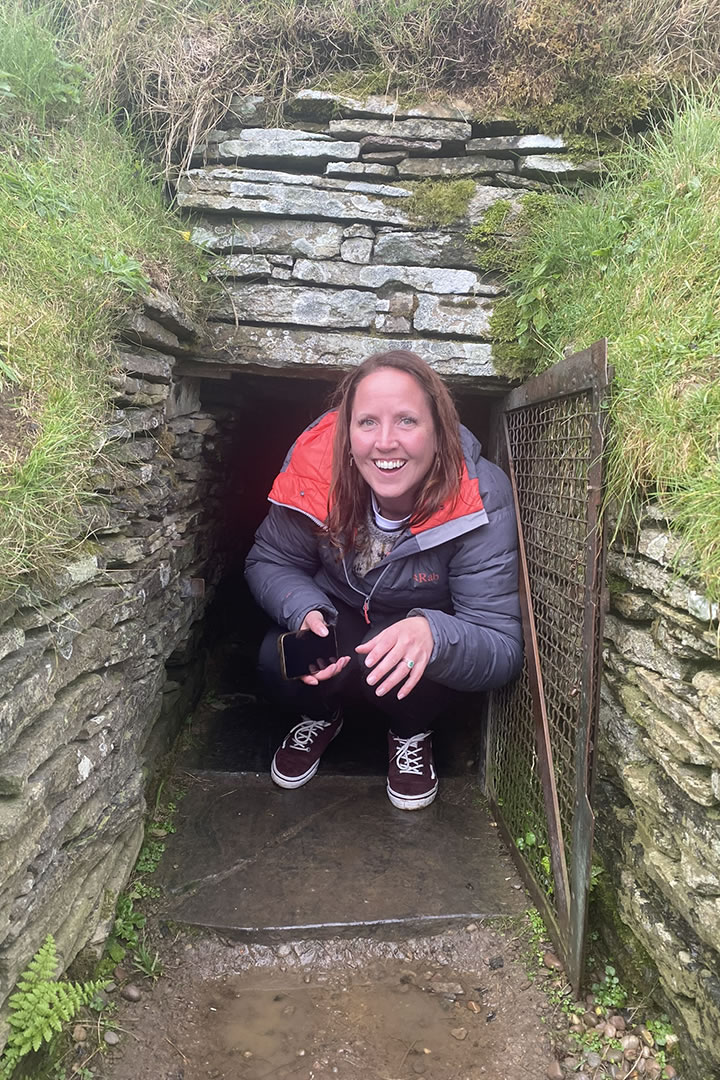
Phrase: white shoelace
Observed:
(302, 736)
(409, 754)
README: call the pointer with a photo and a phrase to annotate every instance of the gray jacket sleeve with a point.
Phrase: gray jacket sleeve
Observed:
(281, 566)
(479, 646)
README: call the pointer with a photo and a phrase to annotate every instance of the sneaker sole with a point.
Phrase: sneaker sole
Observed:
(290, 782)
(417, 802)
(293, 781)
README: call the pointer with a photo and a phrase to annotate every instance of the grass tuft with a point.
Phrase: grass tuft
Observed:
(83, 230)
(636, 261)
(550, 63)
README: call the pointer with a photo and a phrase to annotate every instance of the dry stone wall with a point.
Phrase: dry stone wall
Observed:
(658, 792)
(98, 665)
(319, 245)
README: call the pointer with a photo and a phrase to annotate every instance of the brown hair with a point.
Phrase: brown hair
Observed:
(349, 492)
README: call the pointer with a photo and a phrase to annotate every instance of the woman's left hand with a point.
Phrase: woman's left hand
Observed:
(399, 652)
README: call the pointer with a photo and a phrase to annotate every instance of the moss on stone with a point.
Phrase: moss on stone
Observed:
(440, 202)
(489, 238)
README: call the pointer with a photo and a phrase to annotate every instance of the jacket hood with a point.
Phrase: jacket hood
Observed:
(304, 482)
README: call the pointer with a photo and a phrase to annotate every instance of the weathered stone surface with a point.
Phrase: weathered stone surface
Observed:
(163, 309)
(291, 148)
(286, 200)
(301, 352)
(220, 178)
(300, 306)
(151, 365)
(375, 276)
(465, 315)
(313, 239)
(637, 645)
(242, 266)
(10, 641)
(558, 169)
(484, 198)
(138, 329)
(501, 145)
(361, 170)
(444, 130)
(373, 145)
(446, 248)
(357, 249)
(668, 738)
(390, 157)
(452, 168)
(323, 105)
(649, 575)
(246, 110)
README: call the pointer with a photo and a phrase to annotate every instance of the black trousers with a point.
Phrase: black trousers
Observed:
(410, 716)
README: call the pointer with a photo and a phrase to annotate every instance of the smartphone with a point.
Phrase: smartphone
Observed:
(301, 650)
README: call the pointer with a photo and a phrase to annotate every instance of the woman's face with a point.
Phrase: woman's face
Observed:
(392, 438)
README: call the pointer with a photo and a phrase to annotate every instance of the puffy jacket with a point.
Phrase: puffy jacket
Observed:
(459, 569)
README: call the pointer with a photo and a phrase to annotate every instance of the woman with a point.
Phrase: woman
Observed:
(387, 522)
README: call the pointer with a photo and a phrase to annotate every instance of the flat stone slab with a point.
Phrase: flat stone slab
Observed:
(558, 169)
(372, 171)
(342, 308)
(518, 144)
(202, 190)
(288, 151)
(332, 858)
(465, 315)
(315, 353)
(422, 278)
(255, 235)
(324, 105)
(447, 248)
(444, 130)
(453, 168)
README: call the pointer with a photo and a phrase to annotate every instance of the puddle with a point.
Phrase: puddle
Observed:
(394, 1019)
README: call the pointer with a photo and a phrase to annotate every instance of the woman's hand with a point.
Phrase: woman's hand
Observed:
(315, 621)
(401, 651)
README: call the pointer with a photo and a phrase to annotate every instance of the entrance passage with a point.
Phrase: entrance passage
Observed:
(334, 857)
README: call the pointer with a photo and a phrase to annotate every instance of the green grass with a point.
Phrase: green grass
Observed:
(554, 63)
(637, 262)
(83, 229)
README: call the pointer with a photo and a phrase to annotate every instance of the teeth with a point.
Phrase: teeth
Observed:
(389, 465)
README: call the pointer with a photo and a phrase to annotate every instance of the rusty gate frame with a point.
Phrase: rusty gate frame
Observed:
(564, 907)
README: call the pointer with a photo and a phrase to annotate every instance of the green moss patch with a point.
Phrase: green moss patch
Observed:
(440, 202)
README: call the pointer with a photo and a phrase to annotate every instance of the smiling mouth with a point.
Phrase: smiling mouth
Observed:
(389, 466)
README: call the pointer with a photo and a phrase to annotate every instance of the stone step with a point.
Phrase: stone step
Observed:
(259, 863)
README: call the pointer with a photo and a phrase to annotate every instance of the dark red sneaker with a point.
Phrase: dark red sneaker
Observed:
(297, 758)
(412, 782)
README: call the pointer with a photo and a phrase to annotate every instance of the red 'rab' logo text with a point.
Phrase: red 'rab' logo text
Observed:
(424, 579)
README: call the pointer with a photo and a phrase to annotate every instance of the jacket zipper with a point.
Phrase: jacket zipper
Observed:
(367, 596)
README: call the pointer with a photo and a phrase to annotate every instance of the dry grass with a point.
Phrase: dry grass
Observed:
(175, 65)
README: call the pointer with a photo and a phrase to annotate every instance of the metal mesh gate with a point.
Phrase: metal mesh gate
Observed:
(542, 726)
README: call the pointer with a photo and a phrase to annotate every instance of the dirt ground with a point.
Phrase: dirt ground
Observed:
(457, 1006)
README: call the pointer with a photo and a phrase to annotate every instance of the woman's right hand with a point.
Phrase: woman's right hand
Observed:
(315, 621)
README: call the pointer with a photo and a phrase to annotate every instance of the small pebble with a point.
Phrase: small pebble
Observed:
(447, 988)
(609, 1031)
(121, 975)
(307, 978)
(554, 1071)
(474, 1007)
(301, 1053)
(551, 961)
(618, 1022)
(670, 1072)
(459, 1033)
(284, 950)
(471, 927)
(419, 1067)
(111, 1038)
(79, 1033)
(496, 962)
(110, 987)
(630, 1042)
(593, 1059)
(131, 992)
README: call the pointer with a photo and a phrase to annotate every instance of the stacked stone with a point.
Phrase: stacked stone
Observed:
(658, 799)
(322, 258)
(96, 666)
